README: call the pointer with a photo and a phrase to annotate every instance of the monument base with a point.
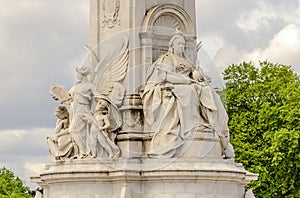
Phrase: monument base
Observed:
(144, 178)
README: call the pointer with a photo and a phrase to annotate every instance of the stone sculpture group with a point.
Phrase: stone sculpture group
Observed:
(177, 102)
(142, 120)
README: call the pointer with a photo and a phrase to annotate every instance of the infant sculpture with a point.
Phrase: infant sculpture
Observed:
(177, 101)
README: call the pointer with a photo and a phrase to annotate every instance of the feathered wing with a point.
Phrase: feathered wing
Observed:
(111, 69)
(109, 84)
(60, 93)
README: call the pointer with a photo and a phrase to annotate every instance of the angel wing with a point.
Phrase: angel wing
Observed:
(60, 93)
(111, 69)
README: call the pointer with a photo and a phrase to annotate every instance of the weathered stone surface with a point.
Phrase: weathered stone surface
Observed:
(144, 121)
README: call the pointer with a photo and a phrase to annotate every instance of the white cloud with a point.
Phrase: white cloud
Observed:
(212, 44)
(228, 55)
(257, 18)
(290, 12)
(284, 48)
(24, 152)
(289, 37)
(32, 169)
(21, 141)
(38, 42)
(250, 30)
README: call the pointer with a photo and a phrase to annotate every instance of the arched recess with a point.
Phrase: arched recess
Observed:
(158, 26)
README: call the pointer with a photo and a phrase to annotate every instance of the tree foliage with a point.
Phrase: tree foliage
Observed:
(264, 119)
(11, 186)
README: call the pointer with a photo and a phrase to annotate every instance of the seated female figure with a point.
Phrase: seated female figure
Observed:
(177, 101)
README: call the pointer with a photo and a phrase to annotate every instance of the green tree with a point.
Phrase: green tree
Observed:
(263, 105)
(11, 186)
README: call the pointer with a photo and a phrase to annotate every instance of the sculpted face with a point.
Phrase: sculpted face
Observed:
(102, 105)
(179, 45)
(79, 76)
(82, 72)
(58, 113)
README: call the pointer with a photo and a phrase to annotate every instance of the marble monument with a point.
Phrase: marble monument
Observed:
(142, 120)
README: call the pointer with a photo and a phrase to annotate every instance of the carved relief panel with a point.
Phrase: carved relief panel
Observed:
(111, 10)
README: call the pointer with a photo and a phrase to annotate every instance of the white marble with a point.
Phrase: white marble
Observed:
(177, 101)
(143, 120)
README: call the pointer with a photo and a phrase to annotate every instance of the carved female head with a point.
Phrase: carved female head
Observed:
(82, 72)
(177, 43)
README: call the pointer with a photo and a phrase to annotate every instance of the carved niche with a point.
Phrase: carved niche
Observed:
(159, 24)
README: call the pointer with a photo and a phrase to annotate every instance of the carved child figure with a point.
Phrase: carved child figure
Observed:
(61, 145)
(100, 131)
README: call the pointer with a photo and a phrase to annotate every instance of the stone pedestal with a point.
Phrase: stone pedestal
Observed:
(130, 138)
(144, 178)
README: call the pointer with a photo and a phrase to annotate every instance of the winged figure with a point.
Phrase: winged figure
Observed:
(100, 81)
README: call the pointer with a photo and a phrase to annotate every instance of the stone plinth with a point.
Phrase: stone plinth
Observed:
(144, 178)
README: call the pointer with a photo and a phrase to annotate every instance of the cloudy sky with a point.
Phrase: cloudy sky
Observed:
(42, 40)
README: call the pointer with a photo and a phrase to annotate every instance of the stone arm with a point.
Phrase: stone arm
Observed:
(60, 124)
(172, 77)
(64, 132)
(106, 123)
(177, 79)
(198, 75)
(55, 137)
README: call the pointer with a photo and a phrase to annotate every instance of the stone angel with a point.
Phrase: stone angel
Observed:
(102, 78)
(108, 69)
(80, 98)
